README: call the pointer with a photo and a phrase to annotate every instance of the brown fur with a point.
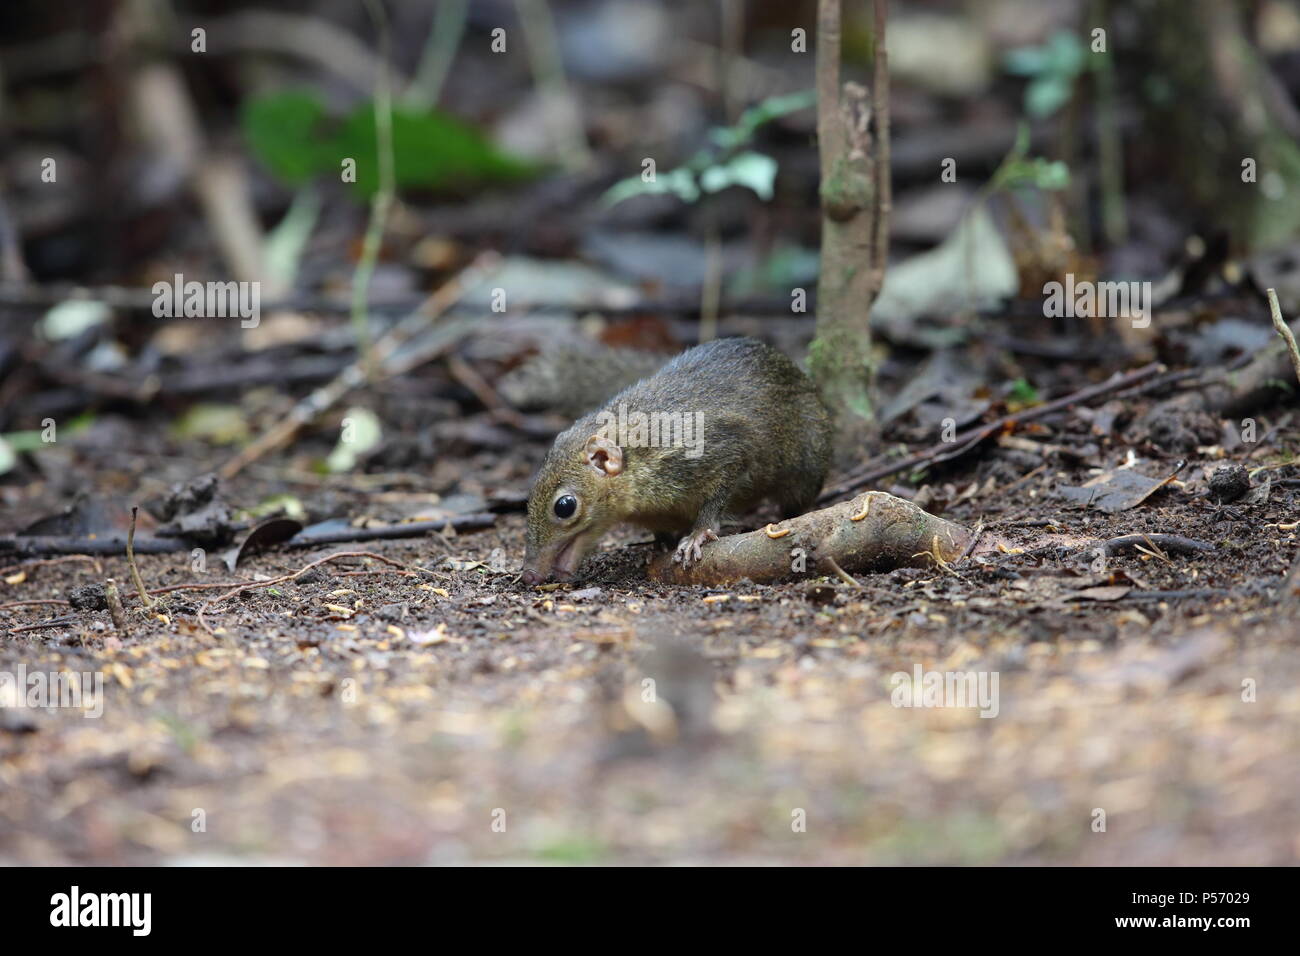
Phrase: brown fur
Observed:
(767, 435)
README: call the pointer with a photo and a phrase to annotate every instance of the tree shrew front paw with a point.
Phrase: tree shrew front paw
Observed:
(689, 549)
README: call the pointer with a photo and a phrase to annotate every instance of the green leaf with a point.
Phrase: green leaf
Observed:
(1054, 175)
(774, 107)
(1053, 69)
(1020, 148)
(430, 150)
(1027, 61)
(1066, 52)
(1047, 94)
(1062, 55)
(31, 441)
(290, 133)
(1023, 394)
(284, 131)
(680, 182)
(28, 441)
(1037, 172)
(749, 169)
(290, 505)
(715, 167)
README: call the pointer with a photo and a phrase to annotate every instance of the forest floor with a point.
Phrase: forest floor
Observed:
(1146, 714)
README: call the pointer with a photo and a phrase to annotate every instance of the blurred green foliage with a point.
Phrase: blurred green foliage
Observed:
(1052, 70)
(724, 162)
(291, 133)
(1019, 170)
(1022, 394)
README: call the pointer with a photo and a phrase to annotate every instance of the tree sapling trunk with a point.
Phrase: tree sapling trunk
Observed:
(855, 200)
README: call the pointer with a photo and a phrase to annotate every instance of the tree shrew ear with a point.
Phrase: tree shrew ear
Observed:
(604, 456)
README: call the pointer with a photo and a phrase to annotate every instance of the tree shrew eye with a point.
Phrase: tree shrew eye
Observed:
(565, 506)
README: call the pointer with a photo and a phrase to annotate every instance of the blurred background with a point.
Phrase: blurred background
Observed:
(148, 138)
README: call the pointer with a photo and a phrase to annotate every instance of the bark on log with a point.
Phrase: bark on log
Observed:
(893, 533)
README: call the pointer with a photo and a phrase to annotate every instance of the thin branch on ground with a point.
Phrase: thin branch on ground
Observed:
(44, 625)
(967, 440)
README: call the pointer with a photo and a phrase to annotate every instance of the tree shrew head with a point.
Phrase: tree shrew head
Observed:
(569, 508)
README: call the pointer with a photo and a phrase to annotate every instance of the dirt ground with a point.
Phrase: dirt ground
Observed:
(368, 715)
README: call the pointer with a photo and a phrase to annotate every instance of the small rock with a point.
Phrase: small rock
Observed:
(89, 597)
(393, 612)
(1229, 482)
(189, 496)
(194, 510)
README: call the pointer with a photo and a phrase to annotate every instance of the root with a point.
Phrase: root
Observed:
(850, 536)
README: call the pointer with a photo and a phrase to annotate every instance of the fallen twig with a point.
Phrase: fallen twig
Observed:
(44, 625)
(411, 529)
(155, 592)
(116, 544)
(1236, 388)
(408, 572)
(1022, 480)
(1178, 595)
(73, 544)
(967, 440)
(1153, 551)
(468, 376)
